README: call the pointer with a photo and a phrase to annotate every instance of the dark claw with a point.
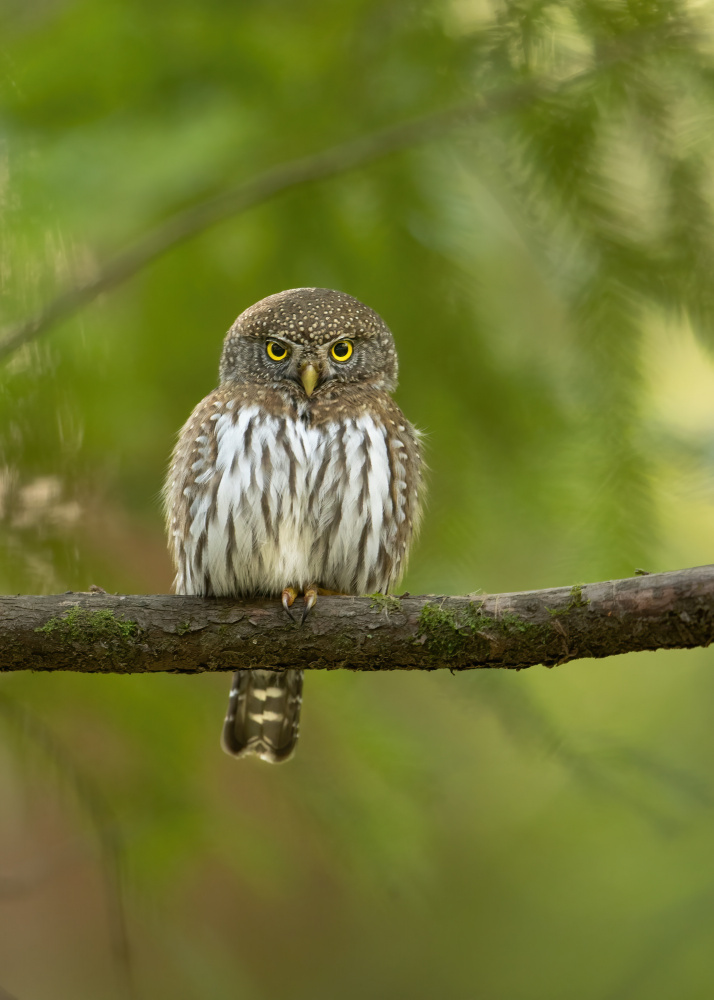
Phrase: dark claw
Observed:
(310, 602)
(287, 601)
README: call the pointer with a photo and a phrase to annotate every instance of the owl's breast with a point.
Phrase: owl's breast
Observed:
(273, 500)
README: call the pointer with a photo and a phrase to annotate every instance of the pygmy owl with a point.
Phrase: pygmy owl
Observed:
(298, 474)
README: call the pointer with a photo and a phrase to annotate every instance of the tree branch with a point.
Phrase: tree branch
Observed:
(105, 633)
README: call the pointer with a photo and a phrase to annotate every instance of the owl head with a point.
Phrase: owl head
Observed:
(310, 338)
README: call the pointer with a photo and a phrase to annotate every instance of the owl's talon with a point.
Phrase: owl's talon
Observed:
(310, 602)
(288, 599)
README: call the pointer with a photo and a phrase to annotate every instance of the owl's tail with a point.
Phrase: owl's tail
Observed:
(263, 714)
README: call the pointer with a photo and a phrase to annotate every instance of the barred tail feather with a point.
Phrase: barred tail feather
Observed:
(263, 714)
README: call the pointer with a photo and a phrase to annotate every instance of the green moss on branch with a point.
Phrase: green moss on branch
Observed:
(79, 625)
(449, 632)
(576, 601)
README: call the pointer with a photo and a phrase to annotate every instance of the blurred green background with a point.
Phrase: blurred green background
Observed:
(548, 275)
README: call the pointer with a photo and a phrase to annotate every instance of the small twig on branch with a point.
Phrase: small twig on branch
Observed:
(135, 634)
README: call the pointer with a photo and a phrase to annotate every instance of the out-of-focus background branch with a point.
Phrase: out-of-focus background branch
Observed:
(187, 223)
(546, 270)
(192, 221)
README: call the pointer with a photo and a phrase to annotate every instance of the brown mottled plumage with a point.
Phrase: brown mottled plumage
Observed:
(298, 472)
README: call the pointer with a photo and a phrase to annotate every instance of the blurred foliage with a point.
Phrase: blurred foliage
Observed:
(547, 274)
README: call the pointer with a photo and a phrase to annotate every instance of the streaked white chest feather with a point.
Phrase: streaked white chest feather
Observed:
(290, 504)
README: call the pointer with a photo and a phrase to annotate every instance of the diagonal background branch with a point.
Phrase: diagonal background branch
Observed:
(136, 634)
(193, 221)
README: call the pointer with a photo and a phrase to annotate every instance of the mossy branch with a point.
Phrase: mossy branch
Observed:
(105, 633)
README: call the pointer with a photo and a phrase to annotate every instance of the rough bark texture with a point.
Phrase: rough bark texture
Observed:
(105, 633)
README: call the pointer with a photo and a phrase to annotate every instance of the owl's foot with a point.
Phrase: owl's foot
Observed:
(288, 599)
(310, 595)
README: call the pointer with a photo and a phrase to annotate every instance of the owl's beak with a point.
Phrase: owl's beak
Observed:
(309, 377)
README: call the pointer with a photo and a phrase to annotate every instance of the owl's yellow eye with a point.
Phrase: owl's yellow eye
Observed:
(342, 350)
(276, 351)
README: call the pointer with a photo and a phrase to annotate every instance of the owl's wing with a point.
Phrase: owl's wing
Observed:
(188, 494)
(216, 493)
(407, 488)
(241, 516)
